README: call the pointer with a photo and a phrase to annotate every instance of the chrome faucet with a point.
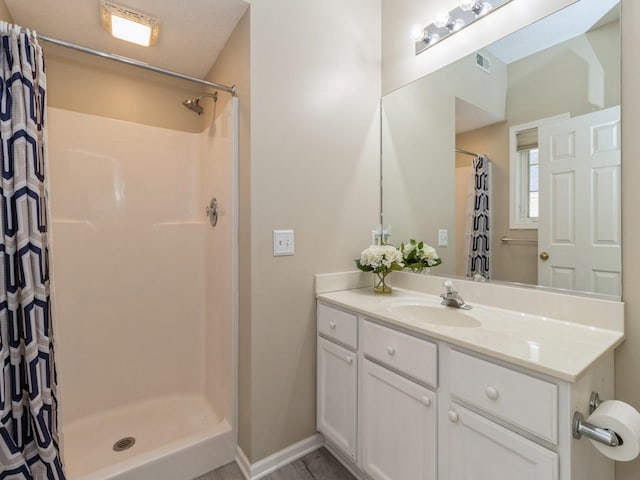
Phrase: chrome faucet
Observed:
(451, 298)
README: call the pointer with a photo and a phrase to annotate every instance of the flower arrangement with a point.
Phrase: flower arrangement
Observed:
(381, 260)
(417, 256)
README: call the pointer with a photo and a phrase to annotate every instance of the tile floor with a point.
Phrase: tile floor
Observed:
(317, 465)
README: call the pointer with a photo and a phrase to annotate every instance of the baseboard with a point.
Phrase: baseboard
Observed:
(243, 463)
(279, 459)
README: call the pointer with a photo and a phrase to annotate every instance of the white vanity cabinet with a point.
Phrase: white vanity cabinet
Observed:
(398, 421)
(394, 404)
(398, 426)
(480, 449)
(337, 378)
(524, 402)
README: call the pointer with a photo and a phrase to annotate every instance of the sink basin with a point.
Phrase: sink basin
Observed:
(434, 314)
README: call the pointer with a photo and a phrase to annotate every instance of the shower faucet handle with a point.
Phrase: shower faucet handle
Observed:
(212, 212)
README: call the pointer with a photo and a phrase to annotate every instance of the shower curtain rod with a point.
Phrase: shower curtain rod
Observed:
(136, 63)
(466, 152)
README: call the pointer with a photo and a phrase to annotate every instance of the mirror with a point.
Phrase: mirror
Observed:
(543, 107)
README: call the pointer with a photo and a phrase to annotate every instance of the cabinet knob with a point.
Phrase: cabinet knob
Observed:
(453, 416)
(349, 359)
(332, 325)
(426, 400)
(491, 392)
(391, 351)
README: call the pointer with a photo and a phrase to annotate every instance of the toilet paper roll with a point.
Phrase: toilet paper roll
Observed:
(623, 419)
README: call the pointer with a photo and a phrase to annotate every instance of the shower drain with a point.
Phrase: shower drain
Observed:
(123, 444)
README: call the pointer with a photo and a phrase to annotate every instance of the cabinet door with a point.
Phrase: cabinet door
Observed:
(398, 430)
(480, 449)
(337, 395)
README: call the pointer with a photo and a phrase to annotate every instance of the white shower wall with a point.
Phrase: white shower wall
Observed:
(142, 284)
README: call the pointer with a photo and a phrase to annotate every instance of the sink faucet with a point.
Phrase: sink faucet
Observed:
(451, 298)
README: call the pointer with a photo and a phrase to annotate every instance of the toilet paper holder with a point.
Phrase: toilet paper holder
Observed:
(602, 435)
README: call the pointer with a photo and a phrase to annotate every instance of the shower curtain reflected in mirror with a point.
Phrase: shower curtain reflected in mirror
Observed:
(28, 407)
(477, 235)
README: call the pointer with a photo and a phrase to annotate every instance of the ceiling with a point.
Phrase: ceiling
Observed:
(192, 33)
(565, 24)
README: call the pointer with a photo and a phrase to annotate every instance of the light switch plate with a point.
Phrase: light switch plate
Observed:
(282, 243)
(443, 238)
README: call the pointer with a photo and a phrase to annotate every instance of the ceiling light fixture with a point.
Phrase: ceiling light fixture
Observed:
(447, 23)
(129, 25)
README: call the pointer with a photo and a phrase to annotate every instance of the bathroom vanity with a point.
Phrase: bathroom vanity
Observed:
(409, 389)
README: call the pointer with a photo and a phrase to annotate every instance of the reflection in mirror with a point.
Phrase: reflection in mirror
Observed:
(531, 123)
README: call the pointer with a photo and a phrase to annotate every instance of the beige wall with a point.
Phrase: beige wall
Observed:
(233, 67)
(315, 88)
(87, 84)
(399, 68)
(628, 355)
(4, 12)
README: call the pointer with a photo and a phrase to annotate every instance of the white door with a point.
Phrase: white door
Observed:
(482, 450)
(398, 431)
(337, 395)
(579, 229)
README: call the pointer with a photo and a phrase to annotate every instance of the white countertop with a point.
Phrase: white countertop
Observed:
(558, 348)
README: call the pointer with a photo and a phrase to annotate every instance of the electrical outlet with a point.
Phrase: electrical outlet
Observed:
(443, 238)
(282, 243)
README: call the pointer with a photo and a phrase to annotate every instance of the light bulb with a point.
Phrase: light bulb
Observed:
(417, 33)
(433, 38)
(441, 19)
(456, 25)
(486, 6)
(468, 5)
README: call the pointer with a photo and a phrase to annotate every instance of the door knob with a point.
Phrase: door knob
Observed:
(544, 256)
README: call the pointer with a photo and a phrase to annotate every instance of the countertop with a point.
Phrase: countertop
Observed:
(558, 348)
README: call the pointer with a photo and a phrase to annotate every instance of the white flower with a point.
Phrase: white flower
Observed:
(428, 253)
(381, 257)
(417, 255)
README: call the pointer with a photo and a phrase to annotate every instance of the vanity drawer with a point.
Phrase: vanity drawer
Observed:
(416, 357)
(524, 401)
(338, 325)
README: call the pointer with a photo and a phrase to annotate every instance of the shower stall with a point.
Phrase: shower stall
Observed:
(144, 291)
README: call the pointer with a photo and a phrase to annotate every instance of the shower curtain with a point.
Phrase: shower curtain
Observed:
(28, 406)
(477, 237)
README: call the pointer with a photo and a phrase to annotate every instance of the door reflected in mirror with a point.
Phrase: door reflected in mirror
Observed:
(541, 107)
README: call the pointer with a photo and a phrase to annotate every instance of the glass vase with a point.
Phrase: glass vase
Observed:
(380, 283)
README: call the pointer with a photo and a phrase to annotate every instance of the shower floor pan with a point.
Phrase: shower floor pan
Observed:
(176, 438)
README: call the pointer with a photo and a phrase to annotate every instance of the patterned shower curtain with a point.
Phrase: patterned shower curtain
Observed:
(478, 220)
(28, 406)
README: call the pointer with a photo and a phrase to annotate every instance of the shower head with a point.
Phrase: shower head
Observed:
(194, 103)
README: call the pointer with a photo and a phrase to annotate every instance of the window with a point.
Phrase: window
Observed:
(524, 207)
(530, 167)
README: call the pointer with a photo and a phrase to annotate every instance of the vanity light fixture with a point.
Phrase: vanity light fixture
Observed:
(129, 25)
(447, 23)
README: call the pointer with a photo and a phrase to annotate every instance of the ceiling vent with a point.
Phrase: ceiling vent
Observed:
(483, 62)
